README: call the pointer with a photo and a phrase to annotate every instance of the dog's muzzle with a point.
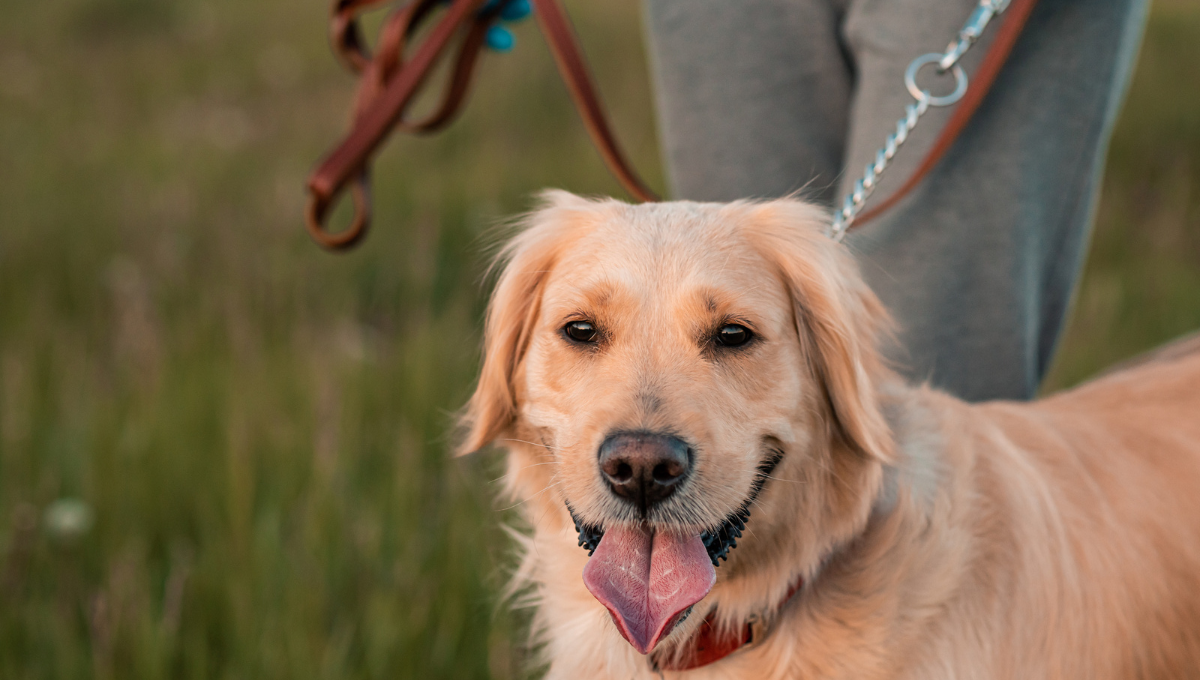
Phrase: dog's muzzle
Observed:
(718, 542)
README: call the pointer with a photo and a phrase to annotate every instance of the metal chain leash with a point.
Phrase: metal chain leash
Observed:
(844, 217)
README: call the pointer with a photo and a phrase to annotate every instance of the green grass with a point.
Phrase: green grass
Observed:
(259, 427)
(1142, 281)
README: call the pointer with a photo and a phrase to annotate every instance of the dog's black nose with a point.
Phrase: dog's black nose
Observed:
(643, 467)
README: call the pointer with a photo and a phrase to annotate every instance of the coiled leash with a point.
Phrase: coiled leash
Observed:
(390, 79)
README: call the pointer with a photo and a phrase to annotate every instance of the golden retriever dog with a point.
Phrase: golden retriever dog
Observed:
(693, 394)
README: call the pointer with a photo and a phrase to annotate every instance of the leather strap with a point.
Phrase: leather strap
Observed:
(389, 82)
(377, 71)
(574, 71)
(382, 100)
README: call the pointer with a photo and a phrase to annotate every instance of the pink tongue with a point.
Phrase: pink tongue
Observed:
(648, 580)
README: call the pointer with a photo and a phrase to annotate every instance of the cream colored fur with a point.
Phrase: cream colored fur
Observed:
(936, 539)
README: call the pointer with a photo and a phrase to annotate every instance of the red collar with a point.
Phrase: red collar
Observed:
(708, 646)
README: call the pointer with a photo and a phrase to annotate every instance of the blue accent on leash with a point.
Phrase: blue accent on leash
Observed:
(500, 39)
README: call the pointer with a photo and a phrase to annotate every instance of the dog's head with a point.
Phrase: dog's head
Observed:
(662, 371)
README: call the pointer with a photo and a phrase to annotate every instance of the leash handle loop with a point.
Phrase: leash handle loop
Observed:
(389, 84)
(389, 81)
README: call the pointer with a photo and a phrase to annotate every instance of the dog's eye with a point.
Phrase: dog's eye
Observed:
(733, 335)
(580, 331)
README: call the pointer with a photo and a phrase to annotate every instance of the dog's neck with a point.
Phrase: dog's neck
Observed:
(918, 468)
(913, 486)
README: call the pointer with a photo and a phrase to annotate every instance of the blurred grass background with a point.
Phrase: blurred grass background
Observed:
(223, 451)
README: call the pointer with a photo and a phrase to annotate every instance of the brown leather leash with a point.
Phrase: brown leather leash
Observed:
(390, 79)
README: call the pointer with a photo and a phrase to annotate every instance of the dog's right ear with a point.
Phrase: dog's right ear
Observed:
(524, 264)
(839, 320)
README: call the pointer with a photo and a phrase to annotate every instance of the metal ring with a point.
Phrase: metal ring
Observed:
(910, 81)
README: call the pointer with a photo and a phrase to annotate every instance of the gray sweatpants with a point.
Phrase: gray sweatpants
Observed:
(759, 98)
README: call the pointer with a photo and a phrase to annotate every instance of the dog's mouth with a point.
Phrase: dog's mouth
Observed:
(650, 578)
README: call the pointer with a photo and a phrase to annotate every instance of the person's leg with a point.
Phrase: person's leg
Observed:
(979, 263)
(753, 95)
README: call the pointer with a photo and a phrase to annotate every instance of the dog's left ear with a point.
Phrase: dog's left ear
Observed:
(524, 264)
(839, 319)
